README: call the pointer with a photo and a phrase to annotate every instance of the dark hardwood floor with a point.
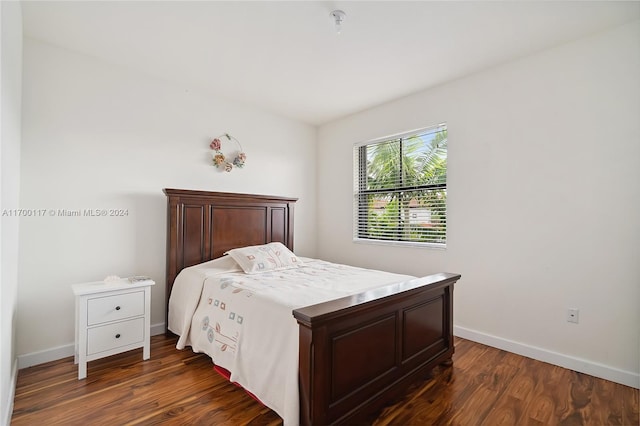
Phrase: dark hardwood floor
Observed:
(485, 386)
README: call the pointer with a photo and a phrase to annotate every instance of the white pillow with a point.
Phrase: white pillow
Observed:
(265, 258)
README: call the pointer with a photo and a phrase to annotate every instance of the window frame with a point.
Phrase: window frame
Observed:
(361, 193)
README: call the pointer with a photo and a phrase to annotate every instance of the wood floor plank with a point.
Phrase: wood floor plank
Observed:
(485, 386)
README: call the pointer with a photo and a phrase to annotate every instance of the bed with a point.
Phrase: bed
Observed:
(408, 322)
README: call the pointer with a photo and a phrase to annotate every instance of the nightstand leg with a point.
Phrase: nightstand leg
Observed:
(81, 341)
(82, 369)
(146, 351)
(146, 348)
(75, 346)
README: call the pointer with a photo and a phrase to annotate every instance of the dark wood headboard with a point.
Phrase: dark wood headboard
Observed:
(203, 225)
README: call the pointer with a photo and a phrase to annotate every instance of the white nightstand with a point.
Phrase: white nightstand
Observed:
(111, 318)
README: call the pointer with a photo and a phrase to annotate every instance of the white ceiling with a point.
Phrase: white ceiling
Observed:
(285, 57)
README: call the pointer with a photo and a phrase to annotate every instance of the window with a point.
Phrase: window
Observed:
(400, 189)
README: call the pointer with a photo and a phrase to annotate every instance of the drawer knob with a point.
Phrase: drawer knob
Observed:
(117, 308)
(118, 336)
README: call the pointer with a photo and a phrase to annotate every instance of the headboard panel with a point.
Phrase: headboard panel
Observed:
(203, 225)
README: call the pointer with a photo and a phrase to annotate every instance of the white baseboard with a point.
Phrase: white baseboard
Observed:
(157, 329)
(591, 368)
(59, 352)
(47, 355)
(6, 417)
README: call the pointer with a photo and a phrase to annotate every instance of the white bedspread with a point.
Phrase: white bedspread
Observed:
(245, 322)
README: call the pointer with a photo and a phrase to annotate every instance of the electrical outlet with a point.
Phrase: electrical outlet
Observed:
(572, 315)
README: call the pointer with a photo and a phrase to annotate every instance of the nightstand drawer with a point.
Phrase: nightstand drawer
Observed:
(113, 308)
(111, 336)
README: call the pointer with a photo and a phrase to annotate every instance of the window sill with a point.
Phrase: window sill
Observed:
(436, 246)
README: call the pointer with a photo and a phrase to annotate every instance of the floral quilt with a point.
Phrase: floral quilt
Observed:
(245, 322)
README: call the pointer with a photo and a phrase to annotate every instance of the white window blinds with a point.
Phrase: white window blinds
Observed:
(400, 188)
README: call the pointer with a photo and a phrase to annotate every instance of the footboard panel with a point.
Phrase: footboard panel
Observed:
(358, 352)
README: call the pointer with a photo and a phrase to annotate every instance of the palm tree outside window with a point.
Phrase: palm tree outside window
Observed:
(400, 189)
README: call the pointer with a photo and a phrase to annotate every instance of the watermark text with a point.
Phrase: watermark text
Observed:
(65, 212)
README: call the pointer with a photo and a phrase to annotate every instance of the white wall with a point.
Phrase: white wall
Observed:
(96, 136)
(10, 89)
(543, 201)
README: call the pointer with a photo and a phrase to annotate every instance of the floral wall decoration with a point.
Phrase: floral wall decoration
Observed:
(223, 161)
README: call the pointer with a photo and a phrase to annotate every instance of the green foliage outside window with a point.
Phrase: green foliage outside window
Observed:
(401, 188)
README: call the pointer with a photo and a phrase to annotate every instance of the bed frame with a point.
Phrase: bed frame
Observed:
(356, 353)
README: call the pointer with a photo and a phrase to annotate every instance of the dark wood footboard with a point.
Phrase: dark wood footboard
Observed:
(358, 352)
